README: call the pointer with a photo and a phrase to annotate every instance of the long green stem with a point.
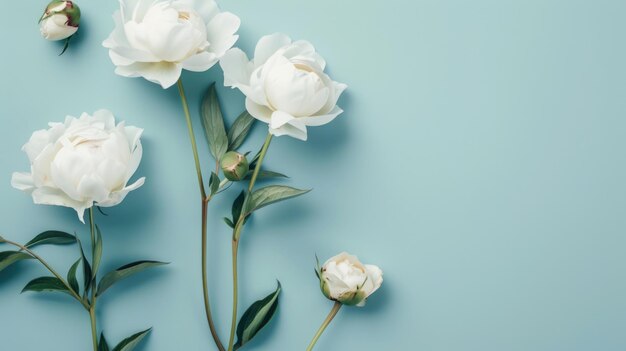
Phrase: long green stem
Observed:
(92, 305)
(192, 138)
(235, 244)
(233, 323)
(205, 200)
(329, 318)
(49, 268)
(94, 331)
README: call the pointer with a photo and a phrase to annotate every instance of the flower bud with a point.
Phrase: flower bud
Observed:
(234, 165)
(60, 20)
(345, 279)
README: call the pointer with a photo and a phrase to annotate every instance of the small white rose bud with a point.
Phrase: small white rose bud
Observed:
(234, 165)
(60, 20)
(345, 279)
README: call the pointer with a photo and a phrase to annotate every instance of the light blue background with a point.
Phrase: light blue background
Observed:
(480, 162)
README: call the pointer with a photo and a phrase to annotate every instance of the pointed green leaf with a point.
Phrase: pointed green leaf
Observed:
(124, 272)
(8, 258)
(272, 194)
(213, 123)
(131, 342)
(52, 237)
(103, 345)
(97, 253)
(71, 277)
(48, 284)
(229, 222)
(256, 317)
(237, 206)
(240, 130)
(214, 183)
(263, 174)
(86, 268)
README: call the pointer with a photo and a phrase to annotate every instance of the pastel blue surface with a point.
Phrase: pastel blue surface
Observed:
(480, 162)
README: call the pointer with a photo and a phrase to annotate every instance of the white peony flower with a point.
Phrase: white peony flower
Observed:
(157, 39)
(82, 162)
(285, 85)
(60, 20)
(345, 279)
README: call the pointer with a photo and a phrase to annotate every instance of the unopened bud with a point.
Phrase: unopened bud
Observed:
(234, 165)
(60, 20)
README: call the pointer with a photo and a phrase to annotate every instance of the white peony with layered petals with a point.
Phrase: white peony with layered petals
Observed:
(157, 39)
(82, 162)
(285, 85)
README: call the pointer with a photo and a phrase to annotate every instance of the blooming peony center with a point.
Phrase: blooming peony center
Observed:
(91, 164)
(295, 88)
(169, 33)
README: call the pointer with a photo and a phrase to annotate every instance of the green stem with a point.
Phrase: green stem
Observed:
(255, 174)
(205, 287)
(233, 323)
(94, 331)
(49, 268)
(237, 235)
(92, 305)
(205, 199)
(329, 318)
(192, 138)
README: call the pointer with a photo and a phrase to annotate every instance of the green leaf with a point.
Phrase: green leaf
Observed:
(7, 258)
(237, 206)
(86, 267)
(213, 123)
(214, 183)
(263, 174)
(71, 277)
(256, 317)
(103, 345)
(97, 253)
(240, 130)
(52, 237)
(48, 284)
(132, 341)
(124, 272)
(229, 222)
(272, 194)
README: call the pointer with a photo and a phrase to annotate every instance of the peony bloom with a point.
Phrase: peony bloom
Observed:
(60, 20)
(82, 162)
(345, 279)
(157, 39)
(285, 85)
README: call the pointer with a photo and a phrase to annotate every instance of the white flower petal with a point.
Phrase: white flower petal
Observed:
(164, 73)
(237, 68)
(221, 32)
(290, 130)
(200, 62)
(280, 118)
(260, 112)
(117, 197)
(22, 181)
(52, 196)
(268, 45)
(316, 121)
